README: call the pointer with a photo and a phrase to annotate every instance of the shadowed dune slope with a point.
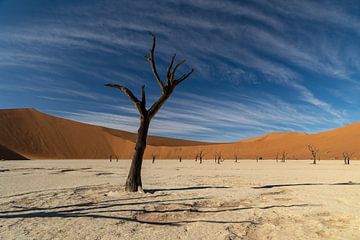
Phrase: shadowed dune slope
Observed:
(8, 154)
(27, 133)
(39, 136)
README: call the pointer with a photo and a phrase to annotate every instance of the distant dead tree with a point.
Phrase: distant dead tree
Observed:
(314, 152)
(154, 155)
(347, 156)
(110, 158)
(277, 157)
(218, 157)
(200, 155)
(236, 158)
(133, 182)
(180, 155)
(284, 156)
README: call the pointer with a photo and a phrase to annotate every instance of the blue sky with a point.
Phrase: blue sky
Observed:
(260, 66)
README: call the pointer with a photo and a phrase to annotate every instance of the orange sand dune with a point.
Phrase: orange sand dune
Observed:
(27, 133)
(36, 135)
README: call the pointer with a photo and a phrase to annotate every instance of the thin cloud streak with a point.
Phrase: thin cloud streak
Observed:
(244, 45)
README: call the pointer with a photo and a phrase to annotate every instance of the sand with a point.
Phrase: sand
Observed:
(67, 199)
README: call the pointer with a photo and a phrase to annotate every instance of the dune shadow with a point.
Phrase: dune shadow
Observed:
(304, 184)
(183, 188)
(8, 154)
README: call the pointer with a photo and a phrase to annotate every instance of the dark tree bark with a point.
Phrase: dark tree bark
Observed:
(133, 182)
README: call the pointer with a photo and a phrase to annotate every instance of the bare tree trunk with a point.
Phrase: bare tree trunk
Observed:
(133, 182)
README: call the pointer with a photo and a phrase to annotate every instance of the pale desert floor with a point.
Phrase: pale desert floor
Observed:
(245, 200)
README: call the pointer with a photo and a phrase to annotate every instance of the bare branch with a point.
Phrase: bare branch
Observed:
(178, 65)
(157, 105)
(151, 59)
(128, 93)
(169, 74)
(183, 77)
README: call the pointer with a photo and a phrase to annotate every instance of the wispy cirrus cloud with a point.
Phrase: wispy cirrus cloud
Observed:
(206, 119)
(292, 54)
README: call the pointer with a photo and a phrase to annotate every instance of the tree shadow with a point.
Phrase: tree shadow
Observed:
(99, 205)
(183, 189)
(304, 184)
(103, 210)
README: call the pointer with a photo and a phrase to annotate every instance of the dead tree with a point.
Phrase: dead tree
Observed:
(133, 182)
(236, 158)
(314, 152)
(180, 155)
(218, 157)
(110, 158)
(201, 154)
(347, 156)
(153, 158)
(284, 156)
(277, 157)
